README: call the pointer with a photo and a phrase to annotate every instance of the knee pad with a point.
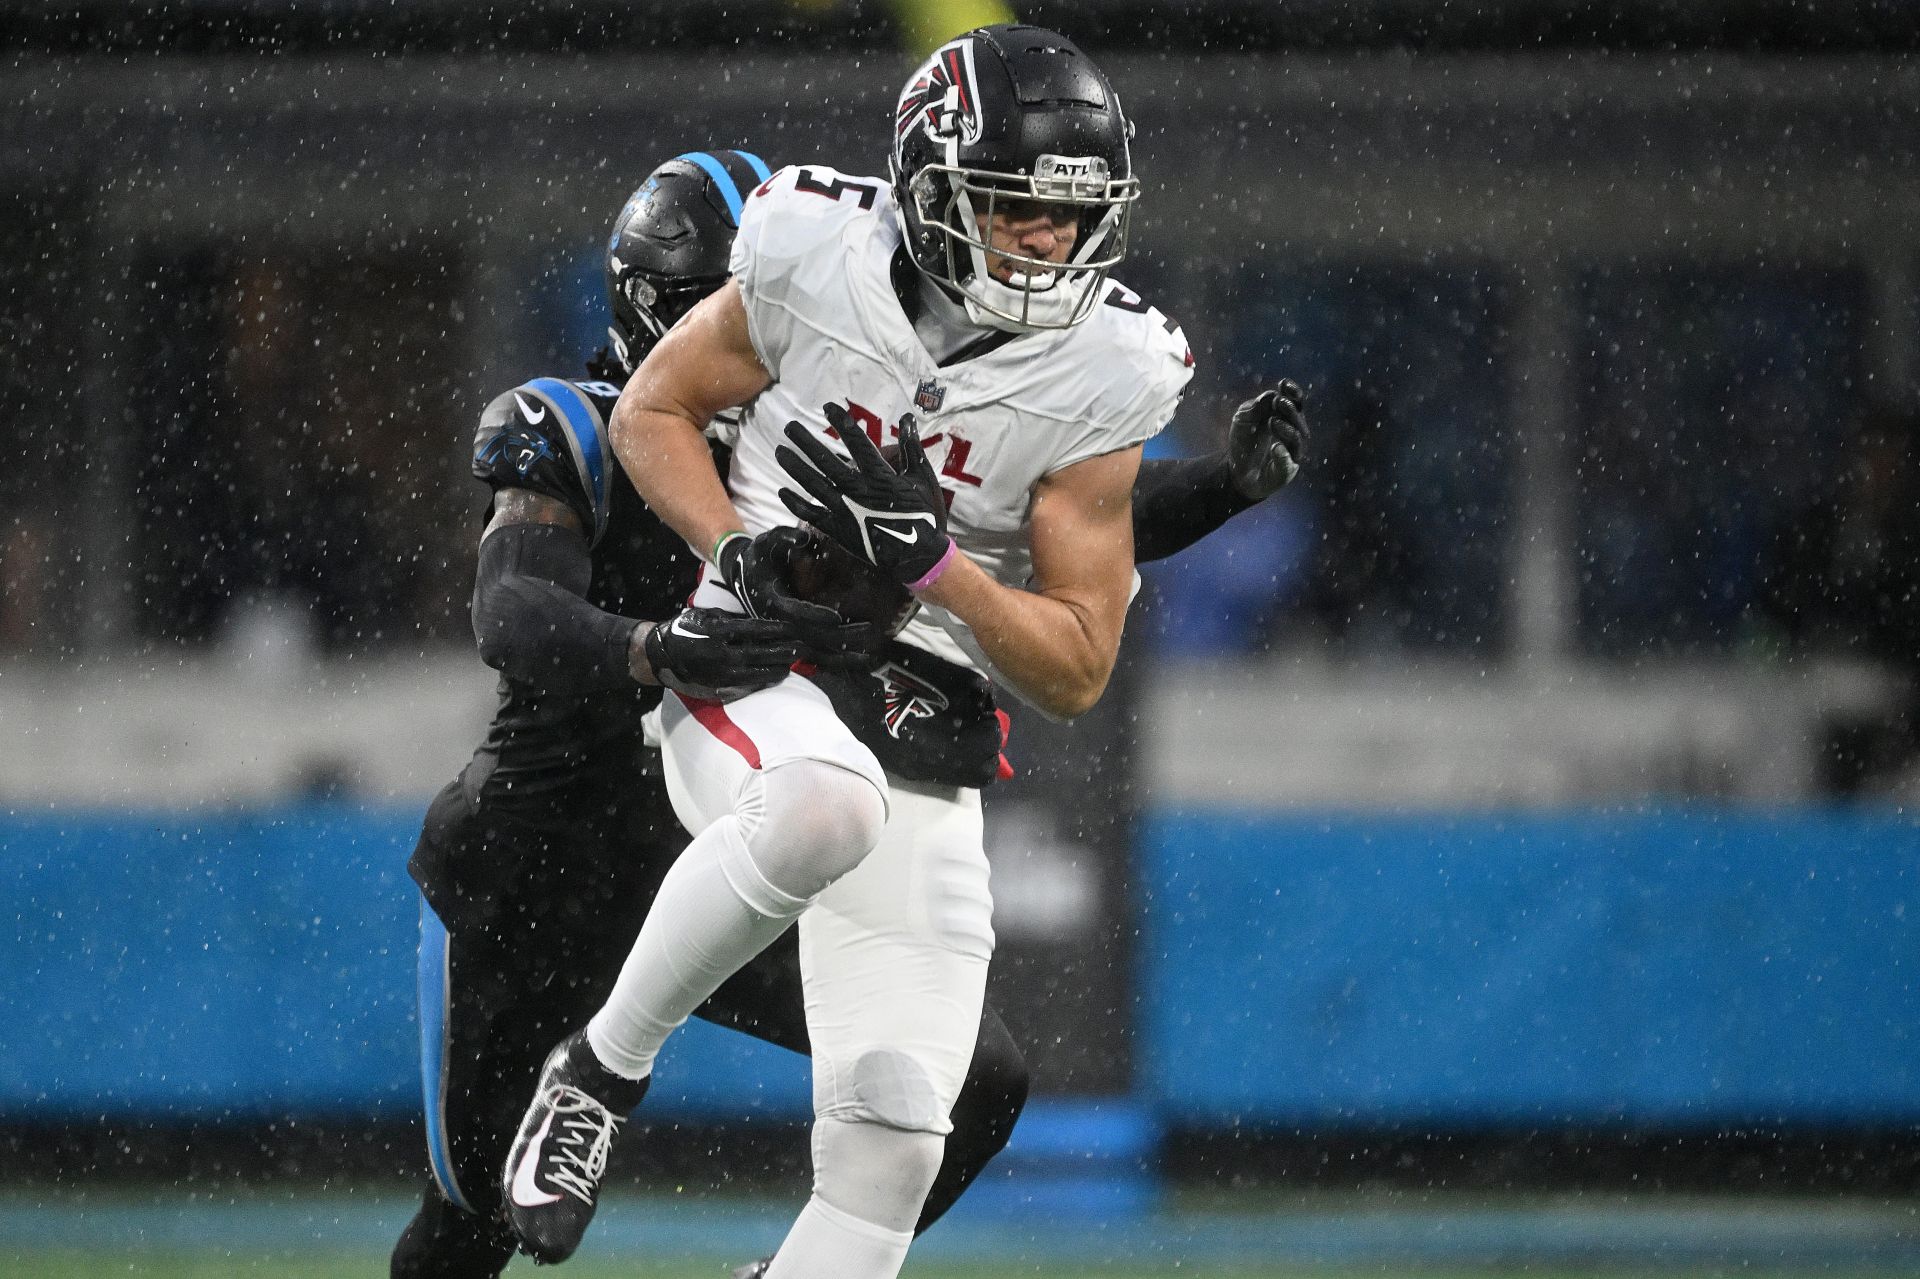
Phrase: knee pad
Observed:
(875, 1173)
(882, 1086)
(814, 822)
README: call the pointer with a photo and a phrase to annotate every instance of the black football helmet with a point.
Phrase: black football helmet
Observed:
(671, 242)
(1012, 113)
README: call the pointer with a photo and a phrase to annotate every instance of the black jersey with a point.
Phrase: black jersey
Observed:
(556, 756)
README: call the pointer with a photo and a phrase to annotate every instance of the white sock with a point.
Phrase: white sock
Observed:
(826, 1243)
(700, 931)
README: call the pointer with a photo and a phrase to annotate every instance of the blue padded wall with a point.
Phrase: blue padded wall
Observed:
(1683, 967)
(250, 964)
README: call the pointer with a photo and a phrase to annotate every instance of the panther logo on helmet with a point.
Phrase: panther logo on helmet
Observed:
(670, 244)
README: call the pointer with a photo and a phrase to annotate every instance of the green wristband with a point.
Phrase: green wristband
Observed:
(721, 542)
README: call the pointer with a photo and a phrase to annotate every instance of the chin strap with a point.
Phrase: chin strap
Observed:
(1054, 309)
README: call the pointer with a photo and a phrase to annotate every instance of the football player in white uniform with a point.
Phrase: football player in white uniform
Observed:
(963, 309)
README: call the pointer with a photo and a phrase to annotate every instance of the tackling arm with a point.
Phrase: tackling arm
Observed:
(530, 613)
(1057, 642)
(1176, 503)
(534, 623)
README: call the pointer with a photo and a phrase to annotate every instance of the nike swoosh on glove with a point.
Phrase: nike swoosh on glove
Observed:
(759, 571)
(894, 518)
(712, 654)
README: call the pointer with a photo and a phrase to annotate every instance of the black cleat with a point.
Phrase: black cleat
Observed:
(753, 1269)
(553, 1172)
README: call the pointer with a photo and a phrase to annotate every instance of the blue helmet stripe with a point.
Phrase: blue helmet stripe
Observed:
(758, 165)
(729, 190)
(583, 424)
(434, 975)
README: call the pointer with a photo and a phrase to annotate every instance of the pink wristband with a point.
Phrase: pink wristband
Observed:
(933, 574)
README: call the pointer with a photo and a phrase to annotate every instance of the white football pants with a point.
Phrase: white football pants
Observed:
(893, 952)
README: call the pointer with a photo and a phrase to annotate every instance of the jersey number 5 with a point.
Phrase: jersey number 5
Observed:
(834, 190)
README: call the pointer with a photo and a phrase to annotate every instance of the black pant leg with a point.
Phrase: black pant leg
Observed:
(765, 999)
(445, 1242)
(541, 918)
(990, 1101)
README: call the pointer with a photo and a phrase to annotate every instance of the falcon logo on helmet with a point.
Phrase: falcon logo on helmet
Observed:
(1012, 115)
(942, 98)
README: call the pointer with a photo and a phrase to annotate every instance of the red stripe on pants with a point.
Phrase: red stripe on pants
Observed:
(713, 718)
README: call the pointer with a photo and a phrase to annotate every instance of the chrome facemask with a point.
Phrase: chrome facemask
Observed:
(959, 203)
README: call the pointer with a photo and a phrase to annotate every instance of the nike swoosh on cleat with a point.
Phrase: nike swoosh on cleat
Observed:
(534, 415)
(526, 1192)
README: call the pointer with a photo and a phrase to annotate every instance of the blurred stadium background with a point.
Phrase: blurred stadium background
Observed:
(1500, 852)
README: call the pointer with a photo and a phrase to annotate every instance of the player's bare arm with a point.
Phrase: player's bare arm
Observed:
(513, 506)
(704, 365)
(1057, 641)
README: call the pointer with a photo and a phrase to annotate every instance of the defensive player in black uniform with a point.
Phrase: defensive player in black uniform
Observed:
(539, 862)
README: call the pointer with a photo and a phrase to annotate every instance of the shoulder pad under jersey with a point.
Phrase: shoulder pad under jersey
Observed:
(550, 435)
(1131, 367)
(777, 261)
(1158, 337)
(798, 209)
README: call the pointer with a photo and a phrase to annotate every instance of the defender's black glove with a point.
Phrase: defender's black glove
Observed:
(1267, 440)
(758, 572)
(717, 655)
(893, 517)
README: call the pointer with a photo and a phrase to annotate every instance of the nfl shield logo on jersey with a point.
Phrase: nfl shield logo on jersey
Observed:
(930, 396)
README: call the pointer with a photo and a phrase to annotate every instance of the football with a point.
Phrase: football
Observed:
(822, 572)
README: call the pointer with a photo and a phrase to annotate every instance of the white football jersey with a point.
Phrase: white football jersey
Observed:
(814, 264)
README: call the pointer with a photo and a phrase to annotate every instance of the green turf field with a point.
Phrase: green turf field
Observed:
(315, 1233)
(68, 1264)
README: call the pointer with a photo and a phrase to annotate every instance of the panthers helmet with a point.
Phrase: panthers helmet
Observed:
(1012, 113)
(671, 242)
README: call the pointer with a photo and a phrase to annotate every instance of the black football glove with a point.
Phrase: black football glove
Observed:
(893, 518)
(1267, 440)
(757, 570)
(717, 655)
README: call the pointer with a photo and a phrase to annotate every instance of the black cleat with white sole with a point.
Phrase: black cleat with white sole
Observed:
(553, 1173)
